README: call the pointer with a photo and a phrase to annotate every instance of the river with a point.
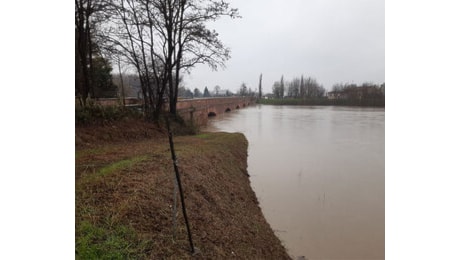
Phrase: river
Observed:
(319, 175)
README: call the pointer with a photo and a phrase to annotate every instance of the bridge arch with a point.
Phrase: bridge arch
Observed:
(228, 109)
(212, 114)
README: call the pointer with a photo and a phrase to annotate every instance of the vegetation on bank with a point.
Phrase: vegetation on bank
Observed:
(106, 115)
(124, 196)
(292, 101)
(307, 91)
(323, 102)
(95, 114)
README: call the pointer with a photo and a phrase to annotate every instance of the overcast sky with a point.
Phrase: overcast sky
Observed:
(331, 40)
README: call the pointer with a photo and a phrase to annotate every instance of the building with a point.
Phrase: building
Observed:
(337, 95)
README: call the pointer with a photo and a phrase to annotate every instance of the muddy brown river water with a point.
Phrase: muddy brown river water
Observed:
(319, 175)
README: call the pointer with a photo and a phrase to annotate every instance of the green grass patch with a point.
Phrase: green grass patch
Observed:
(95, 151)
(115, 242)
(113, 167)
(202, 136)
(121, 165)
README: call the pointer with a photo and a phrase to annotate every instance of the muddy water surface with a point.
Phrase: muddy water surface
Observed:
(319, 175)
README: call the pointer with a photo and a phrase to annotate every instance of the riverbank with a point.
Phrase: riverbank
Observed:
(124, 196)
(323, 102)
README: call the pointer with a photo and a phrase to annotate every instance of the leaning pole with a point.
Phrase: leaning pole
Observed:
(176, 170)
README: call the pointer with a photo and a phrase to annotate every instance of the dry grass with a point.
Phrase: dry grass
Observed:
(124, 200)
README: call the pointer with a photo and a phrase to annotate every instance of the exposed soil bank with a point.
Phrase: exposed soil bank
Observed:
(124, 196)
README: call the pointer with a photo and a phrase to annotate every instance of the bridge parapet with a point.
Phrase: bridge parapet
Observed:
(197, 110)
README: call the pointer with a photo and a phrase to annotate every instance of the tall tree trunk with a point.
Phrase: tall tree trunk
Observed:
(89, 47)
(121, 83)
(178, 57)
(260, 86)
(169, 26)
(82, 46)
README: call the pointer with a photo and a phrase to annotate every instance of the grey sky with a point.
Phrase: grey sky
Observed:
(331, 40)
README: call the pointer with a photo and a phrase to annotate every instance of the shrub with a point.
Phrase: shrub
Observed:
(94, 114)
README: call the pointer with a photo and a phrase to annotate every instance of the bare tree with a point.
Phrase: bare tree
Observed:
(311, 87)
(282, 87)
(189, 41)
(277, 89)
(243, 90)
(162, 38)
(338, 87)
(294, 88)
(302, 87)
(217, 90)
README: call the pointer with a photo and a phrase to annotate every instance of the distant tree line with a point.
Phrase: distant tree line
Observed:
(309, 92)
(132, 88)
(245, 91)
(303, 88)
(157, 39)
(366, 94)
(216, 92)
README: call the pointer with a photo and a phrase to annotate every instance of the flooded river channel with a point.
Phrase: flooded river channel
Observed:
(319, 175)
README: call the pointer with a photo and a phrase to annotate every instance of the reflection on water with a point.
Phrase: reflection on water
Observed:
(319, 175)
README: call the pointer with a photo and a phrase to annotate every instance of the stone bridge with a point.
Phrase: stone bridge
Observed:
(199, 109)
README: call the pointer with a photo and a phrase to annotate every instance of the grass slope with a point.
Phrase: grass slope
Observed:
(124, 200)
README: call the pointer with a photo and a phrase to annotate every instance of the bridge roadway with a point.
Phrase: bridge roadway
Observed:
(199, 110)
